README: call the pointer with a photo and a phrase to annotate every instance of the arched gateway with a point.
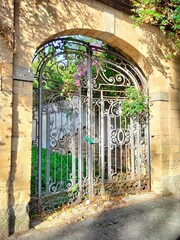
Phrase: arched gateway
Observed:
(83, 143)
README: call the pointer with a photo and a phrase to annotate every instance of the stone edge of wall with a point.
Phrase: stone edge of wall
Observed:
(23, 74)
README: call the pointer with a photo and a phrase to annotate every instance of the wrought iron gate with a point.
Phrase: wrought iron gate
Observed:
(82, 145)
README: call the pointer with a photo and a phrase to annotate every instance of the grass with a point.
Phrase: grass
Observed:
(60, 168)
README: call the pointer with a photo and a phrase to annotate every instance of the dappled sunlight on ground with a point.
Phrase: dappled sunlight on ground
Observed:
(68, 214)
(138, 217)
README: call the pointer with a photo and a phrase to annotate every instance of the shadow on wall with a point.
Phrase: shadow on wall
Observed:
(6, 21)
(6, 96)
(158, 49)
(11, 202)
(45, 18)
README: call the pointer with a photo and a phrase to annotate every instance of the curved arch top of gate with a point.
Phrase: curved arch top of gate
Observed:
(109, 70)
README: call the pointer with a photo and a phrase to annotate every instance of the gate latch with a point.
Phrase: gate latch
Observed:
(91, 141)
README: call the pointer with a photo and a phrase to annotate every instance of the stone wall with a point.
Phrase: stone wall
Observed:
(6, 69)
(5, 132)
(21, 155)
(171, 164)
(35, 23)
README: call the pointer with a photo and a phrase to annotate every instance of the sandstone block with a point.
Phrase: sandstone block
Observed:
(4, 223)
(7, 84)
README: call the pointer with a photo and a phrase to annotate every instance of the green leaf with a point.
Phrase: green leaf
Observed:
(169, 56)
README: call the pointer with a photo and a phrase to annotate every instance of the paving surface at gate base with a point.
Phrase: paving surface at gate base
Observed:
(142, 217)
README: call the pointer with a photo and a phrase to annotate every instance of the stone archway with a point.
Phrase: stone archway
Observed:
(35, 23)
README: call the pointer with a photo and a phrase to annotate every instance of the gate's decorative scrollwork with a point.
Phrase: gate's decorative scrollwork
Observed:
(118, 136)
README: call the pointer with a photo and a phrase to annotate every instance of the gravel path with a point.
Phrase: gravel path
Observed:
(145, 218)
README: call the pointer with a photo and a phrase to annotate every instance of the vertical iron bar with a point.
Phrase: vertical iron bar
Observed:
(115, 147)
(80, 160)
(126, 158)
(99, 141)
(89, 94)
(121, 159)
(47, 149)
(67, 166)
(93, 133)
(147, 138)
(132, 147)
(138, 151)
(39, 144)
(67, 152)
(120, 147)
(73, 145)
(102, 144)
(86, 133)
(109, 147)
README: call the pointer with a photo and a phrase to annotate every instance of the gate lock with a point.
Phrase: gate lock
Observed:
(91, 141)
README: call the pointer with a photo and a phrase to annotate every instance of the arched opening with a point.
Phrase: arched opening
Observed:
(84, 143)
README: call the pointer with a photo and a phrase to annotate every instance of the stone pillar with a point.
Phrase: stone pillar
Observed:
(6, 67)
(165, 131)
(159, 143)
(171, 174)
(6, 60)
(21, 150)
(159, 129)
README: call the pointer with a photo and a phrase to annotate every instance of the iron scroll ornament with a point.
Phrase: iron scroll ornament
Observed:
(108, 71)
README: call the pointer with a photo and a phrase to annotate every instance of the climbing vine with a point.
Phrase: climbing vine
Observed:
(165, 14)
(135, 102)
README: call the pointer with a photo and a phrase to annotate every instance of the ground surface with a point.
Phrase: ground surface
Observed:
(139, 217)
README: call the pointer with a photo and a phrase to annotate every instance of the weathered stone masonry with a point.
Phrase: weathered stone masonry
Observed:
(34, 22)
